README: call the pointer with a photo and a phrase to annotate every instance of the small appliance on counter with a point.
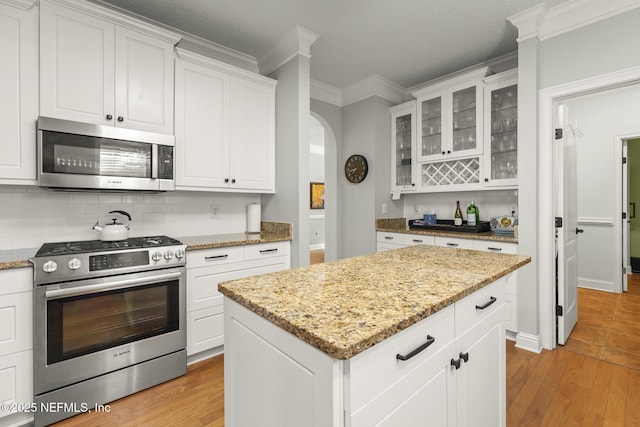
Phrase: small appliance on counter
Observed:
(449, 225)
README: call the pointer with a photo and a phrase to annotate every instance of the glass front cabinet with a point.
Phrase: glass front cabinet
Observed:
(403, 131)
(501, 130)
(450, 116)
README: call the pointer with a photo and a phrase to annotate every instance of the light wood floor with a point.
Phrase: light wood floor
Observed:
(316, 256)
(555, 388)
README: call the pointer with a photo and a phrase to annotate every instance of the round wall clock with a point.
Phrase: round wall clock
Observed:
(356, 168)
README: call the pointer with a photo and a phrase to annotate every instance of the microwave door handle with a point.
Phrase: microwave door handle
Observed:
(154, 161)
(110, 286)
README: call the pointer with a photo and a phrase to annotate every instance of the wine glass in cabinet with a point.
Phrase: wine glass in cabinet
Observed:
(501, 130)
(403, 141)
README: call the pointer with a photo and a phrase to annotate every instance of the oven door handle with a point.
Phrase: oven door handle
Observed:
(110, 286)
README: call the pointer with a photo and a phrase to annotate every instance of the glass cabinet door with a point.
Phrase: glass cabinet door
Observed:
(431, 127)
(504, 135)
(403, 138)
(464, 120)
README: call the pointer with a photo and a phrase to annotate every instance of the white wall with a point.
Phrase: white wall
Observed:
(600, 118)
(31, 216)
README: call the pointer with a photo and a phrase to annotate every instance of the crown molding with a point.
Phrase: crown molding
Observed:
(298, 41)
(216, 52)
(326, 93)
(545, 23)
(373, 86)
(20, 4)
(457, 78)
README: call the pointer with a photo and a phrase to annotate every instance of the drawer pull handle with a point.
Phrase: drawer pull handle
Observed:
(491, 301)
(266, 251)
(456, 363)
(430, 340)
(455, 245)
(464, 356)
(417, 241)
(215, 257)
(388, 237)
(494, 249)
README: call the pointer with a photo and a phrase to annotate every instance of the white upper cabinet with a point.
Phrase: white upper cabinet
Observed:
(403, 147)
(19, 89)
(98, 67)
(450, 114)
(501, 130)
(225, 127)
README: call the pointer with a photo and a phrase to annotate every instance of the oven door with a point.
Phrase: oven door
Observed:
(87, 328)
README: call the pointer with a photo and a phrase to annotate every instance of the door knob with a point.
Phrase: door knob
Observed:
(579, 230)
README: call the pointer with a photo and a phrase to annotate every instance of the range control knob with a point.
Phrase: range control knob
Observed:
(180, 253)
(74, 264)
(157, 256)
(168, 255)
(49, 267)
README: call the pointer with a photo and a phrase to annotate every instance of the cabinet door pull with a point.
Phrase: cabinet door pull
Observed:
(453, 245)
(388, 237)
(490, 248)
(482, 307)
(464, 356)
(215, 257)
(456, 363)
(430, 340)
(266, 251)
(108, 117)
(417, 240)
(120, 119)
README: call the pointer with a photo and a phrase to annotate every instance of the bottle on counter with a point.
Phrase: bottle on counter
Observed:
(473, 214)
(457, 218)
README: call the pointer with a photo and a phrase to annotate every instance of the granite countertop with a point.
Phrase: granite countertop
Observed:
(399, 225)
(271, 231)
(344, 307)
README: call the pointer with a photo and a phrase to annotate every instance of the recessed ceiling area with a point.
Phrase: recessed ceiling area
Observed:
(407, 42)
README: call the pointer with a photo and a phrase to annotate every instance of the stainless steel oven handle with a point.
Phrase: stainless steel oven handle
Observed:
(154, 161)
(111, 286)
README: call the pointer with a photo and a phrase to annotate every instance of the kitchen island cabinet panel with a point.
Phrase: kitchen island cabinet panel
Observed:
(19, 89)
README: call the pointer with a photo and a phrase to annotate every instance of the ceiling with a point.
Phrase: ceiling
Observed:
(405, 41)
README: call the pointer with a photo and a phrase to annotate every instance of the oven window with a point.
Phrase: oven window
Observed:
(85, 324)
(77, 154)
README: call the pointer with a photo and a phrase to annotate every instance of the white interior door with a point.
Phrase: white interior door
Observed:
(566, 235)
(626, 222)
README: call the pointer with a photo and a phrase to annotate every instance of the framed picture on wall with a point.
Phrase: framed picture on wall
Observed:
(317, 195)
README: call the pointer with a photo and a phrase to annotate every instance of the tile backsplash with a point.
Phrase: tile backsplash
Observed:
(32, 216)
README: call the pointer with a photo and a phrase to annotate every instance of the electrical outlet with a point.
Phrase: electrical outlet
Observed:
(215, 211)
(415, 208)
(384, 209)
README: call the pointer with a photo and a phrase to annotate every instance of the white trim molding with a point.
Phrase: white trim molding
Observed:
(20, 4)
(218, 52)
(373, 85)
(528, 342)
(298, 41)
(326, 93)
(544, 23)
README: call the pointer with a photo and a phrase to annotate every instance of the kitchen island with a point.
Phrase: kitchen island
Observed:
(382, 339)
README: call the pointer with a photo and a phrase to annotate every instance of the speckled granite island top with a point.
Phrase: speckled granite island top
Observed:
(344, 307)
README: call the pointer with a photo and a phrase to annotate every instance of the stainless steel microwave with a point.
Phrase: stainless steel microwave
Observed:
(74, 155)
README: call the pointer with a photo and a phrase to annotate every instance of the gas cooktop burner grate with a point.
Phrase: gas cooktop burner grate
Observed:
(68, 248)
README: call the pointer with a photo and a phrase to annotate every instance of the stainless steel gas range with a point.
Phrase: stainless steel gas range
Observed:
(109, 321)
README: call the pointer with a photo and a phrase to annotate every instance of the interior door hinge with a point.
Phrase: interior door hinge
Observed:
(558, 133)
(559, 222)
(624, 160)
(559, 310)
(624, 215)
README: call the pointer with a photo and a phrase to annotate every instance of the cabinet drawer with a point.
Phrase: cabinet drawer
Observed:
(209, 257)
(453, 242)
(385, 237)
(498, 247)
(470, 311)
(266, 250)
(205, 329)
(16, 280)
(418, 239)
(381, 247)
(377, 368)
(16, 317)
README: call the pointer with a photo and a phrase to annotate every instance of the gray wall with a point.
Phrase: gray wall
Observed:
(290, 203)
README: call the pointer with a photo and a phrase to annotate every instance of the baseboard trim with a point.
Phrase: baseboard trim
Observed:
(528, 342)
(204, 355)
(316, 247)
(511, 336)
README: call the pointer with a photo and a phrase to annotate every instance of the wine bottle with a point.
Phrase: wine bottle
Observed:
(471, 214)
(457, 218)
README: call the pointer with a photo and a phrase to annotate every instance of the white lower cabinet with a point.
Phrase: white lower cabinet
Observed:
(16, 343)
(205, 269)
(453, 375)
